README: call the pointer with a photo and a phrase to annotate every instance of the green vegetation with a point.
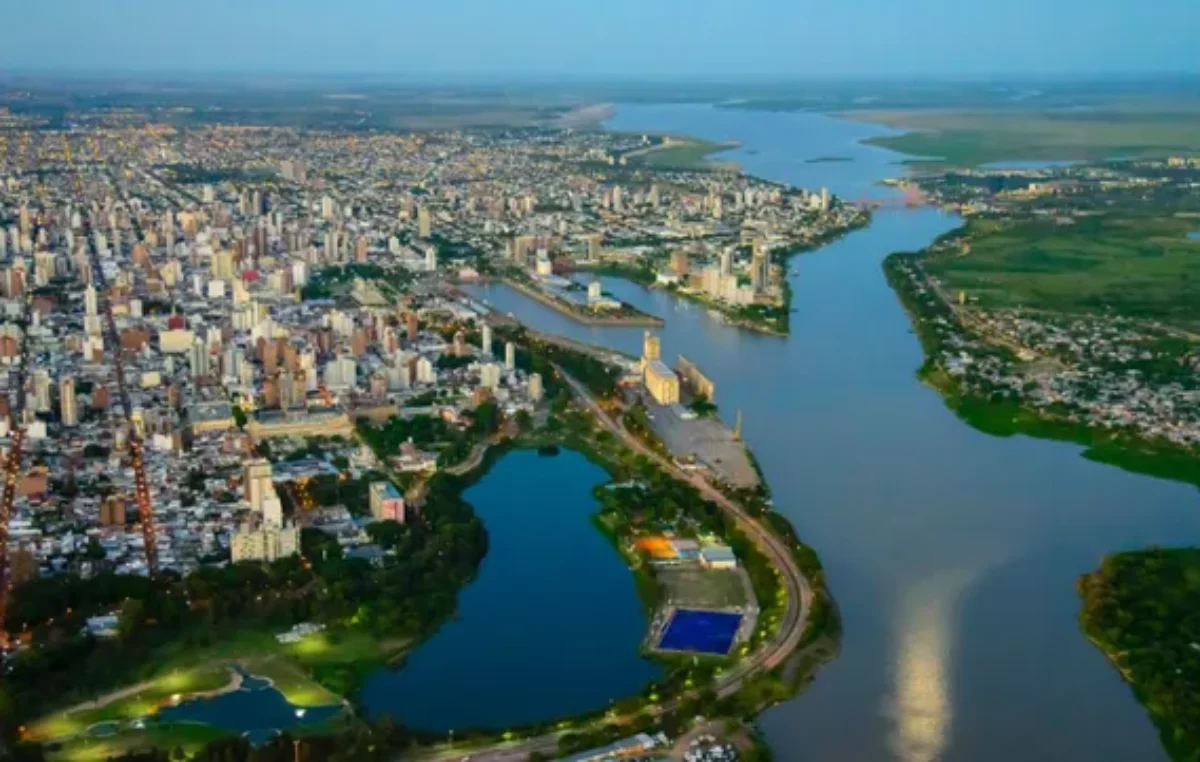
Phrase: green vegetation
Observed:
(973, 137)
(1124, 263)
(169, 623)
(689, 154)
(1143, 611)
(1000, 414)
(329, 282)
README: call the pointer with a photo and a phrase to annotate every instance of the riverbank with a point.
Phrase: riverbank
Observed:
(771, 320)
(1001, 414)
(570, 311)
(1141, 610)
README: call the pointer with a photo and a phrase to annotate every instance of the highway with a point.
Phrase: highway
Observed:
(113, 339)
(769, 656)
(12, 465)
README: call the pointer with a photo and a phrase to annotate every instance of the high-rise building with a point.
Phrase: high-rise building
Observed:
(431, 258)
(424, 227)
(198, 358)
(91, 301)
(260, 543)
(67, 403)
(256, 483)
(535, 387)
(489, 376)
(510, 355)
(485, 343)
(651, 347)
(41, 391)
(726, 261)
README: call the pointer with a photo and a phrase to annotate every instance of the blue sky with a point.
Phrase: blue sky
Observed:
(786, 38)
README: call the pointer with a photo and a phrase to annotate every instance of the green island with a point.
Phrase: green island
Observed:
(1142, 609)
(1067, 315)
(198, 636)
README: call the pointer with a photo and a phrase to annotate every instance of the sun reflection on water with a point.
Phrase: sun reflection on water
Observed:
(921, 706)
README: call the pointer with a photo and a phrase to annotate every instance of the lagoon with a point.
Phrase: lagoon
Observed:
(551, 627)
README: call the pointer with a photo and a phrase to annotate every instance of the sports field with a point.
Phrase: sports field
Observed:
(692, 586)
(709, 632)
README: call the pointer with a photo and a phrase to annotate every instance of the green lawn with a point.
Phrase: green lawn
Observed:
(972, 137)
(302, 672)
(141, 703)
(1141, 267)
(692, 154)
(191, 738)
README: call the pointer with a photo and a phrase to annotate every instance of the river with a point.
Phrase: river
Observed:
(952, 554)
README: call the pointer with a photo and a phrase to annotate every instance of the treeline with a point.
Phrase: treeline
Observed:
(1143, 610)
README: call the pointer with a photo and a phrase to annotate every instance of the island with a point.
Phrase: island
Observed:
(1140, 609)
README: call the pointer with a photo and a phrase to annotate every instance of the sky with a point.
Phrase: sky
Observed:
(604, 38)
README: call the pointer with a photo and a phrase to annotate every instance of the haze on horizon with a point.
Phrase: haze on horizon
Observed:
(652, 38)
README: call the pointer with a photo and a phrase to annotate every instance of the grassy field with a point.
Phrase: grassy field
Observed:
(700, 588)
(142, 700)
(973, 137)
(1141, 267)
(688, 154)
(303, 672)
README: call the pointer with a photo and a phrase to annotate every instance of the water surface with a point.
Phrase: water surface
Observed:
(952, 554)
(257, 708)
(552, 626)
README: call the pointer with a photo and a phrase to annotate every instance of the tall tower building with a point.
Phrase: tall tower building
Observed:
(651, 349)
(423, 222)
(41, 391)
(66, 401)
(510, 355)
(256, 482)
(485, 343)
(90, 300)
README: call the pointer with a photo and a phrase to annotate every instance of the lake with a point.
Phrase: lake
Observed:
(952, 554)
(551, 627)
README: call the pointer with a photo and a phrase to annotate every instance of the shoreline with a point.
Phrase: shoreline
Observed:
(1114, 447)
(634, 275)
(647, 321)
(790, 664)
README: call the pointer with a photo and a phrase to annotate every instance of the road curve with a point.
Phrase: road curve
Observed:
(773, 653)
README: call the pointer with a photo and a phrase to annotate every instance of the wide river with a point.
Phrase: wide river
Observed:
(952, 554)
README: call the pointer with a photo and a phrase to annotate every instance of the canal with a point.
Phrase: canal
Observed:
(952, 554)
